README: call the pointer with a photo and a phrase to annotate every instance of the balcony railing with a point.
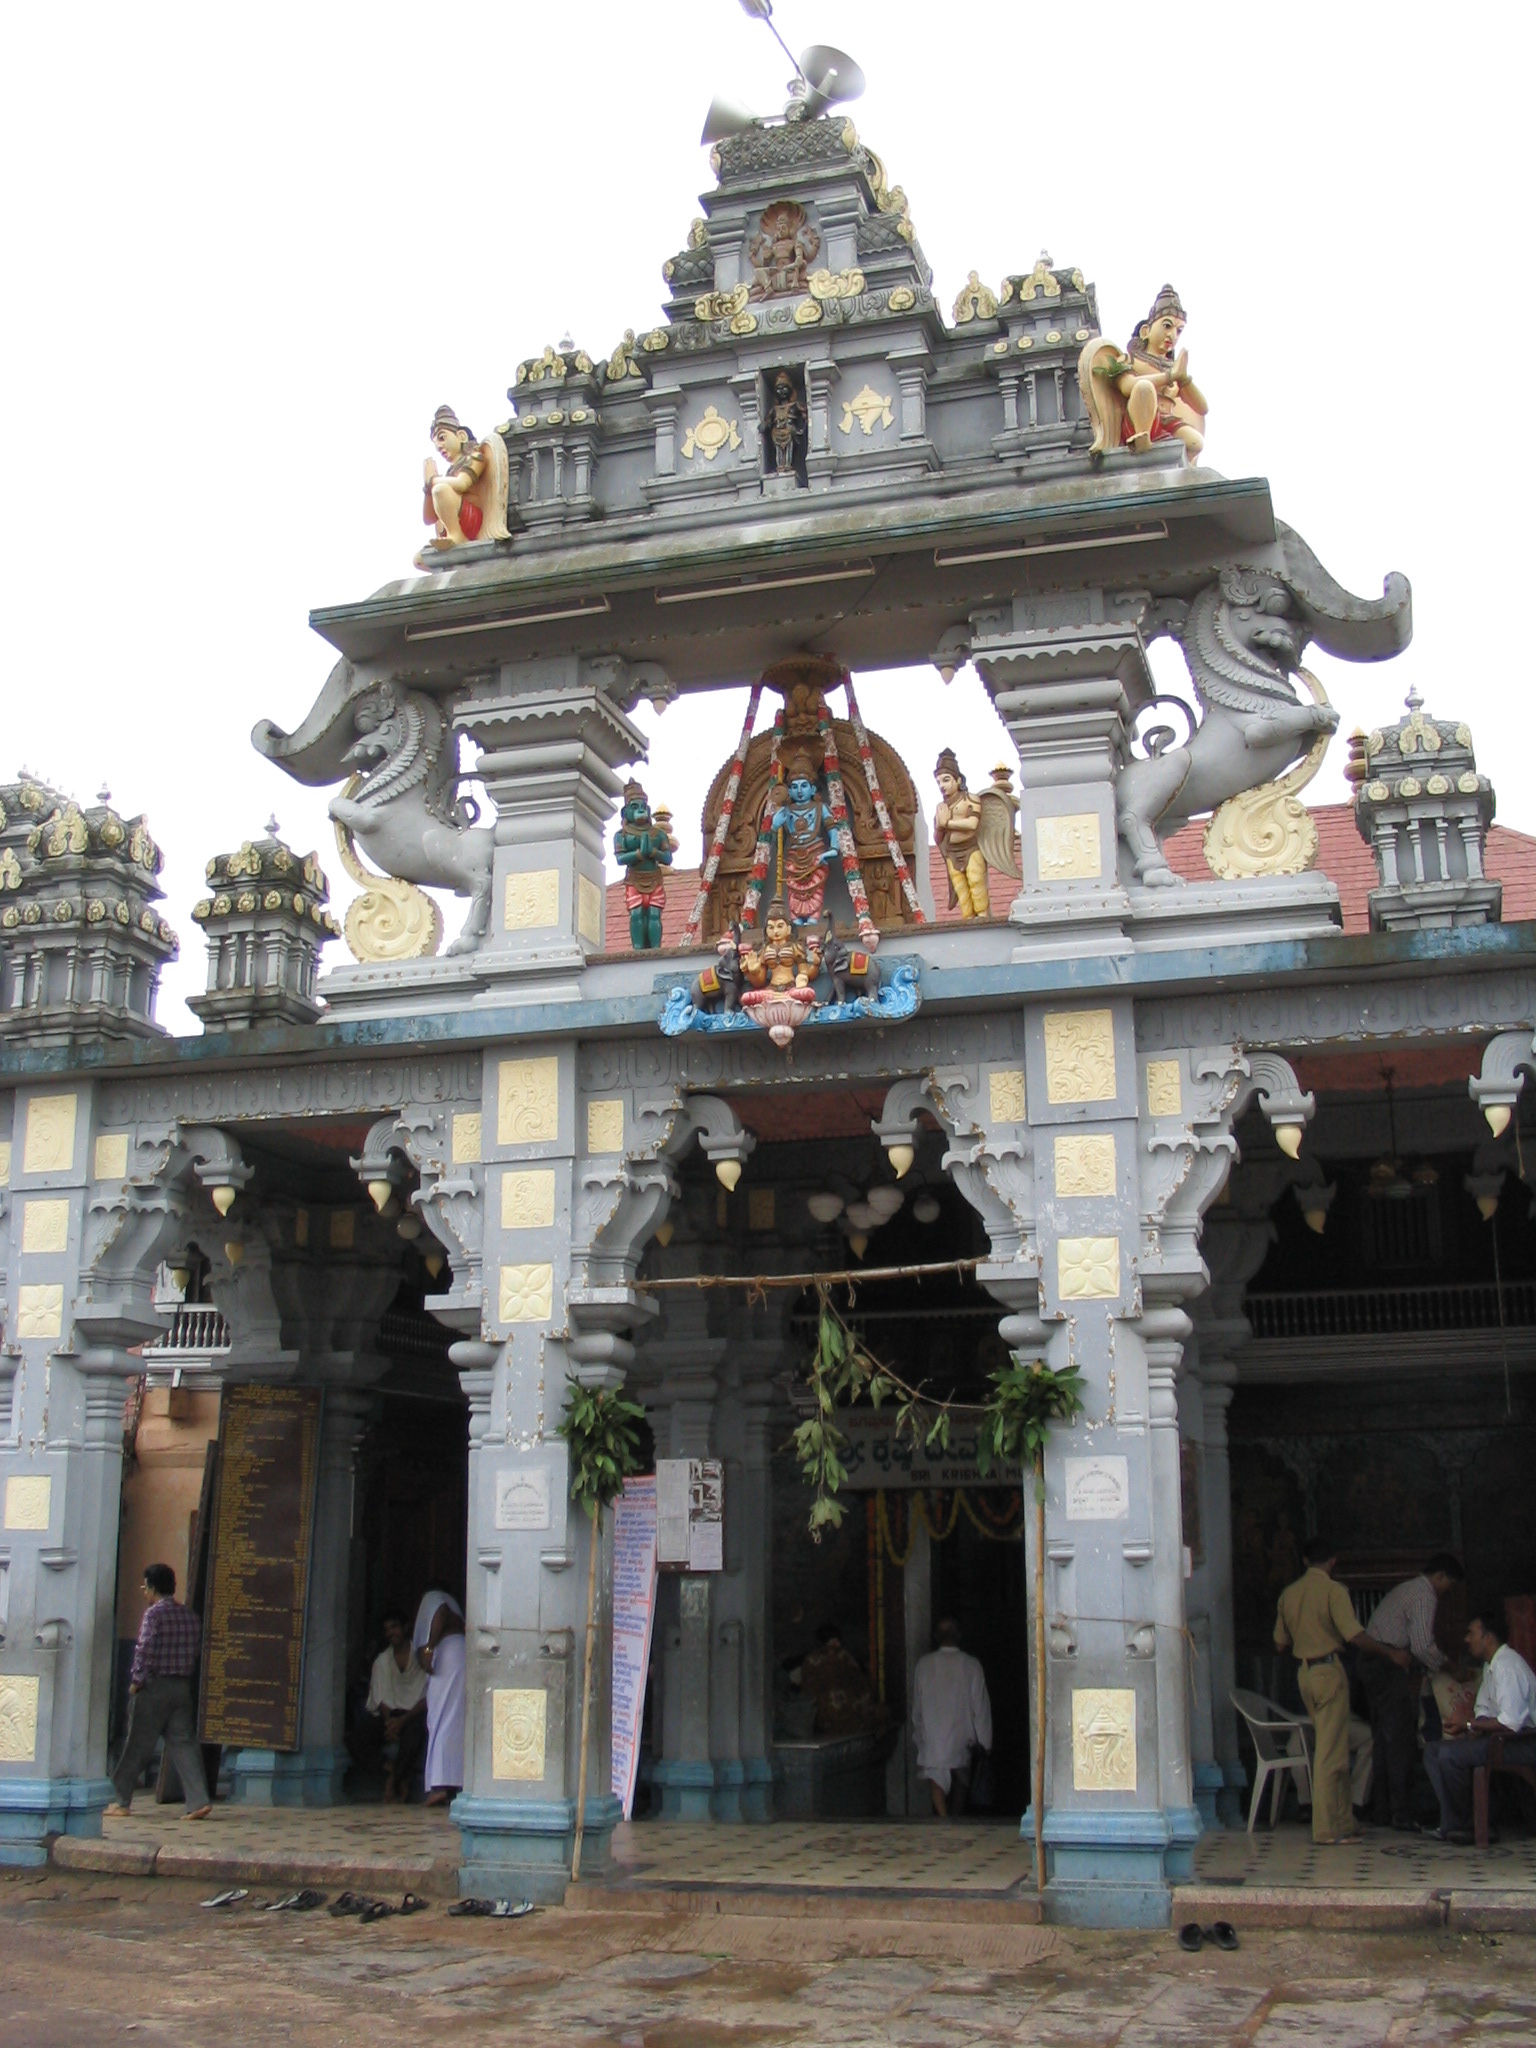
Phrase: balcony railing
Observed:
(1389, 1311)
(193, 1328)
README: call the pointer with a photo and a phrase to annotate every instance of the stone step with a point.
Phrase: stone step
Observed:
(225, 1864)
(1357, 1908)
(808, 1902)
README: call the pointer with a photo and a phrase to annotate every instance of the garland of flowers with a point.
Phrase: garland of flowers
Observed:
(723, 821)
(842, 832)
(764, 846)
(882, 813)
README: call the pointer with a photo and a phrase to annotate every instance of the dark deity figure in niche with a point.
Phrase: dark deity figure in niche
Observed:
(787, 423)
(782, 251)
(643, 847)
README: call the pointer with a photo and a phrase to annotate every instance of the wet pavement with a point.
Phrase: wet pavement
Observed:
(86, 1960)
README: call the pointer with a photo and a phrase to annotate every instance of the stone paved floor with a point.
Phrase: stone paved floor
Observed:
(126, 1960)
(963, 1856)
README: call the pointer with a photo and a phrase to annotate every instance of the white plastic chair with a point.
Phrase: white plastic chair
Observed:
(1281, 1742)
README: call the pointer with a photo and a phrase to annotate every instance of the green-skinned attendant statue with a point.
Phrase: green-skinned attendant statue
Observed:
(643, 846)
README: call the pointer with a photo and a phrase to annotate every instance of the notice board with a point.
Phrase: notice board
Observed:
(263, 1533)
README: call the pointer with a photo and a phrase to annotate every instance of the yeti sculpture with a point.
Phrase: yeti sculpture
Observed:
(1244, 637)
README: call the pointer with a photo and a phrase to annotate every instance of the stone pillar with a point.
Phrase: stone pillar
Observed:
(1218, 1378)
(312, 1774)
(60, 1475)
(552, 741)
(1067, 676)
(683, 1414)
(750, 1553)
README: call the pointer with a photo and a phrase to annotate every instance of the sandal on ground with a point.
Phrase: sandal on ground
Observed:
(511, 1909)
(116, 1811)
(347, 1902)
(412, 1903)
(1224, 1934)
(472, 1909)
(297, 1902)
(197, 1813)
(1191, 1936)
(376, 1909)
(230, 1898)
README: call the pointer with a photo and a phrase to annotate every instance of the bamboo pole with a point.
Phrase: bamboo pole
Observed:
(586, 1691)
(1040, 1672)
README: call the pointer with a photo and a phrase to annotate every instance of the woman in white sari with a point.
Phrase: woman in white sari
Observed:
(438, 1640)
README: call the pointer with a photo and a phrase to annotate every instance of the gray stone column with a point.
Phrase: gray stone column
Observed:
(683, 1410)
(1218, 1378)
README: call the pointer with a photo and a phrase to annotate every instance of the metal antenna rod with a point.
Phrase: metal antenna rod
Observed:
(762, 10)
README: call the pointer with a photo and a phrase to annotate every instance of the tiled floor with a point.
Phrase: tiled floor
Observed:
(354, 1831)
(959, 1856)
(1288, 1856)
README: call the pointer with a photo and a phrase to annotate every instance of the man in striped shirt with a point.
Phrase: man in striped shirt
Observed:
(160, 1697)
(1404, 1620)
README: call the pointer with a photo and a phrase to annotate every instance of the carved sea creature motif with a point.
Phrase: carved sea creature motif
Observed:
(1243, 638)
(404, 809)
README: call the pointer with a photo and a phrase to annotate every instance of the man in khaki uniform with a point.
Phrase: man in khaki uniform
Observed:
(1316, 1620)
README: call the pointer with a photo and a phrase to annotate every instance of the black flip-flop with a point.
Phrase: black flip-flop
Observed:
(472, 1909)
(1191, 1935)
(412, 1903)
(1224, 1934)
(348, 1902)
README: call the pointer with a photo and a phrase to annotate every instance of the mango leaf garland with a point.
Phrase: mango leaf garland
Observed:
(1028, 1397)
(599, 1430)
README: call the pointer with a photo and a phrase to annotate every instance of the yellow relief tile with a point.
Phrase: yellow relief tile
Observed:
(1103, 1739)
(50, 1146)
(1005, 1095)
(1088, 1268)
(528, 1101)
(39, 1311)
(1165, 1088)
(1085, 1163)
(761, 1208)
(527, 1293)
(343, 1230)
(468, 1128)
(519, 1718)
(533, 900)
(1069, 849)
(605, 1125)
(110, 1161)
(528, 1200)
(589, 910)
(1080, 1055)
(5, 1163)
(18, 1718)
(28, 1501)
(45, 1227)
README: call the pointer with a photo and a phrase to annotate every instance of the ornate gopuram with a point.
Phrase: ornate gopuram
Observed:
(991, 997)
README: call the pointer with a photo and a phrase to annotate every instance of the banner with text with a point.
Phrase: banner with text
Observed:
(634, 1616)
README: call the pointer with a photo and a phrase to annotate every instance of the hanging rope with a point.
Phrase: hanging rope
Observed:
(882, 813)
(842, 831)
(723, 821)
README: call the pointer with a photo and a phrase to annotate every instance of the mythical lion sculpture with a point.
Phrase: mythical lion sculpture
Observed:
(402, 808)
(1243, 638)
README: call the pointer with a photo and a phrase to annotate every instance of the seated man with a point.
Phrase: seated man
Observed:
(397, 1693)
(1506, 1705)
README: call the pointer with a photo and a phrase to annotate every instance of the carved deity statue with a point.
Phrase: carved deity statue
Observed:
(787, 420)
(778, 960)
(468, 500)
(782, 251)
(643, 846)
(973, 834)
(1145, 394)
(805, 846)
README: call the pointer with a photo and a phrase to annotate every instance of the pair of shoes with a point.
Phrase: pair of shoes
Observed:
(197, 1813)
(1192, 1936)
(297, 1902)
(347, 1902)
(229, 1898)
(412, 1903)
(116, 1811)
(493, 1909)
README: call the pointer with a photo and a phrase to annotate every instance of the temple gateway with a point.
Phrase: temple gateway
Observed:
(1113, 1057)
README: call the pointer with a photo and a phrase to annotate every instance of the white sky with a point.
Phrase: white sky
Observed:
(250, 250)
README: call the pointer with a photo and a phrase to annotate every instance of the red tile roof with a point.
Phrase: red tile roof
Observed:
(1342, 855)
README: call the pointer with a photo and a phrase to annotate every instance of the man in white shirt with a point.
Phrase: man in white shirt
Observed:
(1404, 1620)
(951, 1716)
(1506, 1707)
(397, 1694)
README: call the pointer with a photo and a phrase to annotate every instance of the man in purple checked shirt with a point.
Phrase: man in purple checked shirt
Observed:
(160, 1697)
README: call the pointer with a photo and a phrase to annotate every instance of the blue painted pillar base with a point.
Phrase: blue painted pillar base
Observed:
(521, 1848)
(757, 1792)
(1107, 1869)
(687, 1789)
(300, 1777)
(1209, 1780)
(34, 1810)
(730, 1783)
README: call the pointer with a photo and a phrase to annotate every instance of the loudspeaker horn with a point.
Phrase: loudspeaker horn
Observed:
(725, 118)
(831, 76)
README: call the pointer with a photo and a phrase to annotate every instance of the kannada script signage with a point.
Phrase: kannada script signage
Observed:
(876, 1457)
(263, 1526)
